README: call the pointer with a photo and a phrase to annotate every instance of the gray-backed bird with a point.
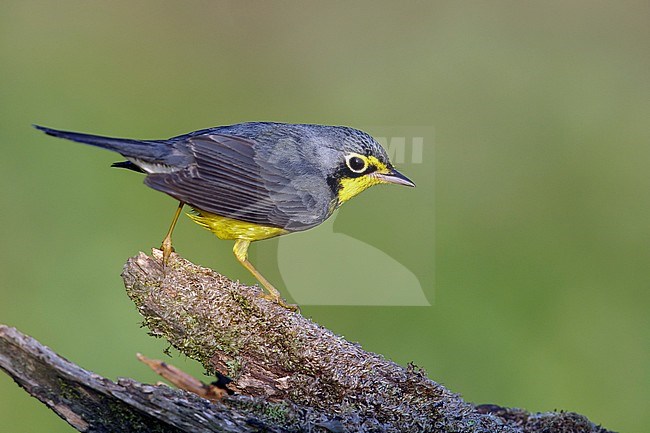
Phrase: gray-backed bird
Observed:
(256, 180)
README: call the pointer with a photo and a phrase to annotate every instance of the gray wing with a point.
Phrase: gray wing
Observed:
(244, 180)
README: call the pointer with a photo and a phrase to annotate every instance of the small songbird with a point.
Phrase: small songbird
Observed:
(256, 180)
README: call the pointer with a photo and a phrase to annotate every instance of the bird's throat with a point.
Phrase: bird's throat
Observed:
(351, 187)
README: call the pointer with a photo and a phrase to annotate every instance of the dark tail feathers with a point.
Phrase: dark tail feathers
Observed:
(127, 147)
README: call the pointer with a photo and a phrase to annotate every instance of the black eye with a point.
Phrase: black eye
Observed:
(356, 163)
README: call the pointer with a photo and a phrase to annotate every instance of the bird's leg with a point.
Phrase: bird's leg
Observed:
(166, 246)
(241, 252)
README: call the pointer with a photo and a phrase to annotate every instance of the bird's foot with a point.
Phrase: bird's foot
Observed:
(281, 302)
(167, 250)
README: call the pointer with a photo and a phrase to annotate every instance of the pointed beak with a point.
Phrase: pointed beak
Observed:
(394, 176)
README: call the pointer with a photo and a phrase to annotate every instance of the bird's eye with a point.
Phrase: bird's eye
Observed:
(356, 163)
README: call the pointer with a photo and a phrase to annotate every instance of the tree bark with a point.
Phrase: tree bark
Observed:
(288, 373)
(91, 403)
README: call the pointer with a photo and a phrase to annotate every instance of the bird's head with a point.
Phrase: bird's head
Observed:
(361, 163)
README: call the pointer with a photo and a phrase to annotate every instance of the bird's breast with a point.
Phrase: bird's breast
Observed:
(229, 228)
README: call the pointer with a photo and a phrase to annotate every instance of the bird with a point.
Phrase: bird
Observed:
(256, 180)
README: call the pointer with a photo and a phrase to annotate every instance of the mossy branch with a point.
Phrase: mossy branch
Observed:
(278, 355)
(289, 374)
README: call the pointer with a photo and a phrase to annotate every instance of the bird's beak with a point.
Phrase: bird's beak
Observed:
(393, 176)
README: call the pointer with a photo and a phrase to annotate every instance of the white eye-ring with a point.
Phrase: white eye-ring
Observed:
(356, 163)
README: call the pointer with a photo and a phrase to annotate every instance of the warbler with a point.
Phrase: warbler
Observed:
(253, 181)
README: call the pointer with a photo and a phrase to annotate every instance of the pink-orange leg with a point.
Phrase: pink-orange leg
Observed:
(166, 246)
(241, 252)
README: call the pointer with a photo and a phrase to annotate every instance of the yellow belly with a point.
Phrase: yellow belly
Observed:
(228, 228)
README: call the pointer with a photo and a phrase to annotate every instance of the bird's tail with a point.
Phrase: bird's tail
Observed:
(127, 147)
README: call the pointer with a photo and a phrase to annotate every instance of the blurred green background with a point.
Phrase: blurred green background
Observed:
(530, 227)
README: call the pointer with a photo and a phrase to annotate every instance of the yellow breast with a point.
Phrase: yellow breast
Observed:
(228, 228)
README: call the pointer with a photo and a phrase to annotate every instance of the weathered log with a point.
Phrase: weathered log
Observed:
(91, 403)
(289, 374)
(275, 354)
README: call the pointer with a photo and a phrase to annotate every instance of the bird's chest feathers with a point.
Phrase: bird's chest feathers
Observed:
(229, 228)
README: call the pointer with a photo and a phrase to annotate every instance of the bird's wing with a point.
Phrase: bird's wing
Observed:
(230, 177)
